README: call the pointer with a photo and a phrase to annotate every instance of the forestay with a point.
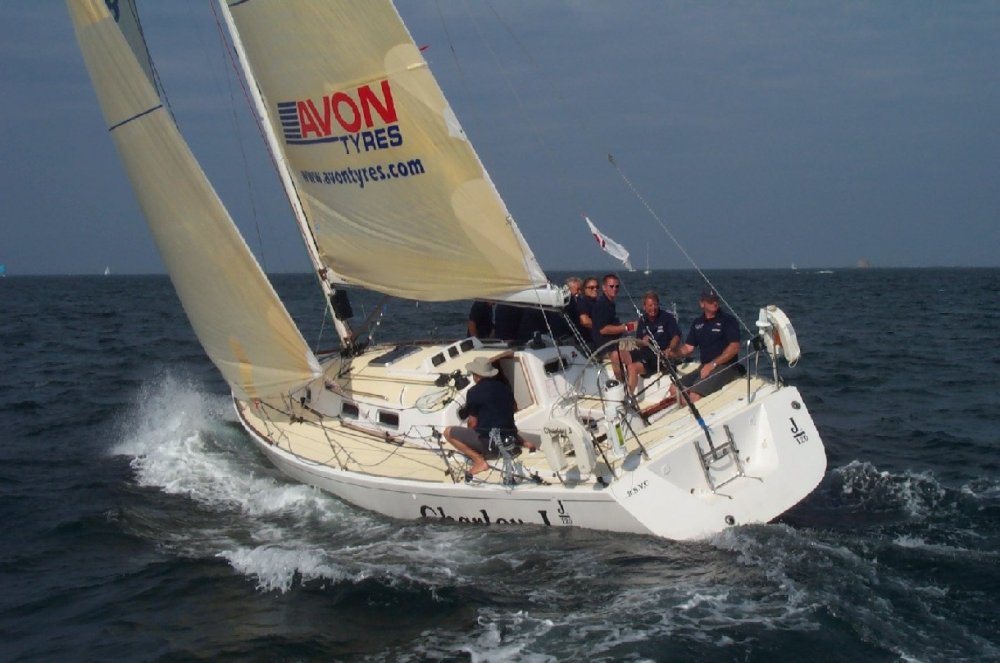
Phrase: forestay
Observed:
(393, 192)
(235, 312)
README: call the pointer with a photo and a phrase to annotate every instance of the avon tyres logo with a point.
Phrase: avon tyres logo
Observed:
(345, 117)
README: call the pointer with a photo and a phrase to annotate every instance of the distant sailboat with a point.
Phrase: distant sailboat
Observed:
(107, 271)
(3, 270)
(647, 271)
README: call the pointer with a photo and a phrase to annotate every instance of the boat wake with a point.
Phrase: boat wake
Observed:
(737, 591)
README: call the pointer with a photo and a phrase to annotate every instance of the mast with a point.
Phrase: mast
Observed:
(312, 249)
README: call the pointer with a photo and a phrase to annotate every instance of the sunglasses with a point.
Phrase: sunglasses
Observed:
(614, 286)
(591, 287)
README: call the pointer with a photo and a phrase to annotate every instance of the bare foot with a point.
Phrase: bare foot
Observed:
(478, 467)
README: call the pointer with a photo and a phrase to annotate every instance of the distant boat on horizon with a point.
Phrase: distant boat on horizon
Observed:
(3, 270)
(107, 271)
(647, 271)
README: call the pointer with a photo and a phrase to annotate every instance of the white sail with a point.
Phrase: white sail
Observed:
(609, 246)
(235, 312)
(393, 192)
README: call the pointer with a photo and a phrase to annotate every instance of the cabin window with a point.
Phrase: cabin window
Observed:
(349, 411)
(467, 345)
(390, 419)
(394, 355)
(453, 351)
(557, 365)
(437, 359)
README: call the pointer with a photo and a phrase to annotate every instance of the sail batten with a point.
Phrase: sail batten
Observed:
(237, 316)
(395, 196)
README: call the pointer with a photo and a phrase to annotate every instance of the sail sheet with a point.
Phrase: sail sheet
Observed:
(392, 189)
(235, 312)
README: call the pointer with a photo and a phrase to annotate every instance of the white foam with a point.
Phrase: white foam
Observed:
(919, 494)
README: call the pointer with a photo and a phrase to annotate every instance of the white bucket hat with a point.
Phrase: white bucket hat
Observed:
(482, 367)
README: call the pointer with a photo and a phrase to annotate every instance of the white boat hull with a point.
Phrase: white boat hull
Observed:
(666, 495)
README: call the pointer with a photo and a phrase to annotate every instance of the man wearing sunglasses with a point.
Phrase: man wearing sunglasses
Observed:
(607, 327)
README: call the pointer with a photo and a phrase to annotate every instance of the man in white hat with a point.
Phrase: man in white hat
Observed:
(489, 404)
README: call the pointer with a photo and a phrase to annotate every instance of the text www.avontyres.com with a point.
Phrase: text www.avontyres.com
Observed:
(362, 176)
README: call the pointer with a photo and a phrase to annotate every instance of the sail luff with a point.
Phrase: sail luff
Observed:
(237, 316)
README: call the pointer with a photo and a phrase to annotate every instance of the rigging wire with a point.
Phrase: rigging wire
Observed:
(656, 216)
(239, 141)
(556, 166)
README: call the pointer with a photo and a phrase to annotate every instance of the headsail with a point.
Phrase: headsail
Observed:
(235, 312)
(394, 193)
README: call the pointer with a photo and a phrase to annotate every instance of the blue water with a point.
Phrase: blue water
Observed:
(142, 525)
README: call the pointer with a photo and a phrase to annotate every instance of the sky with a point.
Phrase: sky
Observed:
(756, 134)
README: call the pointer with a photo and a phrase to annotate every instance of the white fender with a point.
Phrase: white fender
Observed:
(561, 432)
(778, 334)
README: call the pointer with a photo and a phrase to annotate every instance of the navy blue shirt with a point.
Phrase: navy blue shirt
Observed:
(603, 314)
(481, 313)
(506, 321)
(712, 336)
(492, 403)
(585, 305)
(662, 329)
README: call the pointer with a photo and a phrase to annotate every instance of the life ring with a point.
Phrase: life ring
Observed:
(779, 334)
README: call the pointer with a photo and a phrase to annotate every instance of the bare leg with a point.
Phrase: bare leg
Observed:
(635, 369)
(478, 462)
(616, 366)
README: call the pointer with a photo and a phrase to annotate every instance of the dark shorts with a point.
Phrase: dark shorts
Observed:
(648, 358)
(472, 439)
(714, 382)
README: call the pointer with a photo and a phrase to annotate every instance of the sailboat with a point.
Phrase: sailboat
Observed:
(390, 196)
(647, 271)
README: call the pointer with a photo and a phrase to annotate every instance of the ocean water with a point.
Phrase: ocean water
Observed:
(142, 525)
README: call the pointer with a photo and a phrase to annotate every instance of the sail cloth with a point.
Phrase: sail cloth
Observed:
(392, 189)
(235, 312)
(609, 246)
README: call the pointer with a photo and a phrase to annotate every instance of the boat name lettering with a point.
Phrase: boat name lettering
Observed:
(635, 489)
(307, 121)
(362, 176)
(485, 519)
(799, 434)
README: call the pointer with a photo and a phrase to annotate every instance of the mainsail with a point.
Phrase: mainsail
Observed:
(392, 190)
(235, 312)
